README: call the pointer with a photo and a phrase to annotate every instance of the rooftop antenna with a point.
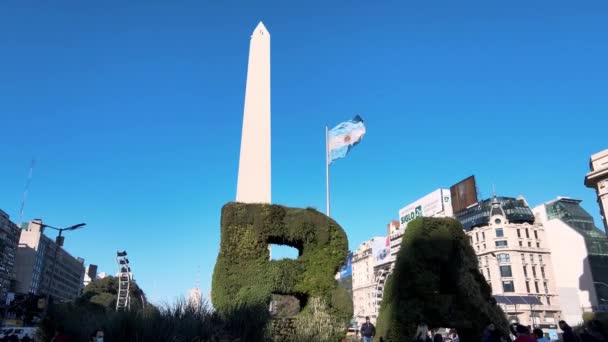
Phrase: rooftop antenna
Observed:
(494, 190)
(27, 187)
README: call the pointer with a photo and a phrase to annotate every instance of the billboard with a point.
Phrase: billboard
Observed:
(381, 250)
(437, 202)
(464, 194)
(347, 269)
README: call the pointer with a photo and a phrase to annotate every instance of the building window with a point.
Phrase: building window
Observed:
(534, 271)
(501, 244)
(536, 235)
(488, 272)
(525, 271)
(521, 244)
(505, 272)
(528, 286)
(523, 259)
(497, 221)
(500, 232)
(540, 258)
(538, 245)
(527, 233)
(542, 272)
(484, 246)
(548, 300)
(507, 286)
(471, 239)
(476, 236)
(531, 258)
(503, 258)
(536, 287)
(529, 244)
(487, 260)
(546, 287)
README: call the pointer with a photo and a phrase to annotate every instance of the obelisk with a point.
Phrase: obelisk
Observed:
(253, 185)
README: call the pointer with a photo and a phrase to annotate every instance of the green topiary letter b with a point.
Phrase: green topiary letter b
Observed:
(245, 277)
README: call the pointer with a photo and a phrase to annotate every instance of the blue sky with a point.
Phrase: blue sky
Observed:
(133, 113)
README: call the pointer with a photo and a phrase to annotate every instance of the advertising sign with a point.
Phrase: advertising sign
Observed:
(438, 201)
(347, 269)
(464, 194)
(381, 251)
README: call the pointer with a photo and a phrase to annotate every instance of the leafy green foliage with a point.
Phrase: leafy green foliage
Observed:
(245, 277)
(179, 322)
(436, 281)
(104, 292)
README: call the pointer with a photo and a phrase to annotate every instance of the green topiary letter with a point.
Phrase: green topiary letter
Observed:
(244, 277)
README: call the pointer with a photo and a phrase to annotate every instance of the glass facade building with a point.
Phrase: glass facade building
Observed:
(571, 213)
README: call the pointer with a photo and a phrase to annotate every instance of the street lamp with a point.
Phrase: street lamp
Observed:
(59, 243)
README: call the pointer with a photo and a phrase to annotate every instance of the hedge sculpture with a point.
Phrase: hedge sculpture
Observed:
(436, 281)
(245, 278)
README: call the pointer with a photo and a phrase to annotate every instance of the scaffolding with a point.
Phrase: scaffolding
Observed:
(123, 302)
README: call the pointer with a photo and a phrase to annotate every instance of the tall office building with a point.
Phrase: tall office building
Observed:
(598, 179)
(35, 258)
(368, 277)
(515, 259)
(580, 255)
(90, 274)
(9, 239)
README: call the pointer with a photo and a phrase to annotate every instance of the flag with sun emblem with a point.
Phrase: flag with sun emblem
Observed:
(342, 138)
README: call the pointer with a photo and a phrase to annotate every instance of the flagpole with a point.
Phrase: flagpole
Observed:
(327, 169)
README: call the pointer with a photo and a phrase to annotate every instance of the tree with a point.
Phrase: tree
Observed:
(104, 292)
(436, 281)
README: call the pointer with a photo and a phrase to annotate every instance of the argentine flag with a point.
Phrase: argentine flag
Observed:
(342, 138)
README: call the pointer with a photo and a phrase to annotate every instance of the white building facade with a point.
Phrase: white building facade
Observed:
(515, 259)
(367, 287)
(580, 257)
(598, 179)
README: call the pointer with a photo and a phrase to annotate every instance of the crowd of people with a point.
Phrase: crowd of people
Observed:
(592, 332)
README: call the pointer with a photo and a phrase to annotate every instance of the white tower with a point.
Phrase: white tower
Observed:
(253, 184)
(598, 179)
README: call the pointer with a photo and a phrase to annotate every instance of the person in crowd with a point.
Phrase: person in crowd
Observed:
(568, 335)
(539, 335)
(490, 334)
(522, 333)
(437, 338)
(26, 338)
(422, 333)
(100, 335)
(60, 335)
(13, 338)
(454, 335)
(593, 332)
(368, 331)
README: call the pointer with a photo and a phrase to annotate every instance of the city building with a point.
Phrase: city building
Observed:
(436, 204)
(368, 272)
(598, 179)
(90, 274)
(580, 257)
(9, 239)
(515, 259)
(36, 256)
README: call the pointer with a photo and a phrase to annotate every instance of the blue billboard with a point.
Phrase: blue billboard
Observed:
(347, 269)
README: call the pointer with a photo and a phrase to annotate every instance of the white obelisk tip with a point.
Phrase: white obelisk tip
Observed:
(261, 30)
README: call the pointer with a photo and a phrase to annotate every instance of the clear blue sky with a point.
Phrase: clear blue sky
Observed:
(133, 112)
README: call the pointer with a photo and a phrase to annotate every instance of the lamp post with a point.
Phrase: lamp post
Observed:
(59, 244)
